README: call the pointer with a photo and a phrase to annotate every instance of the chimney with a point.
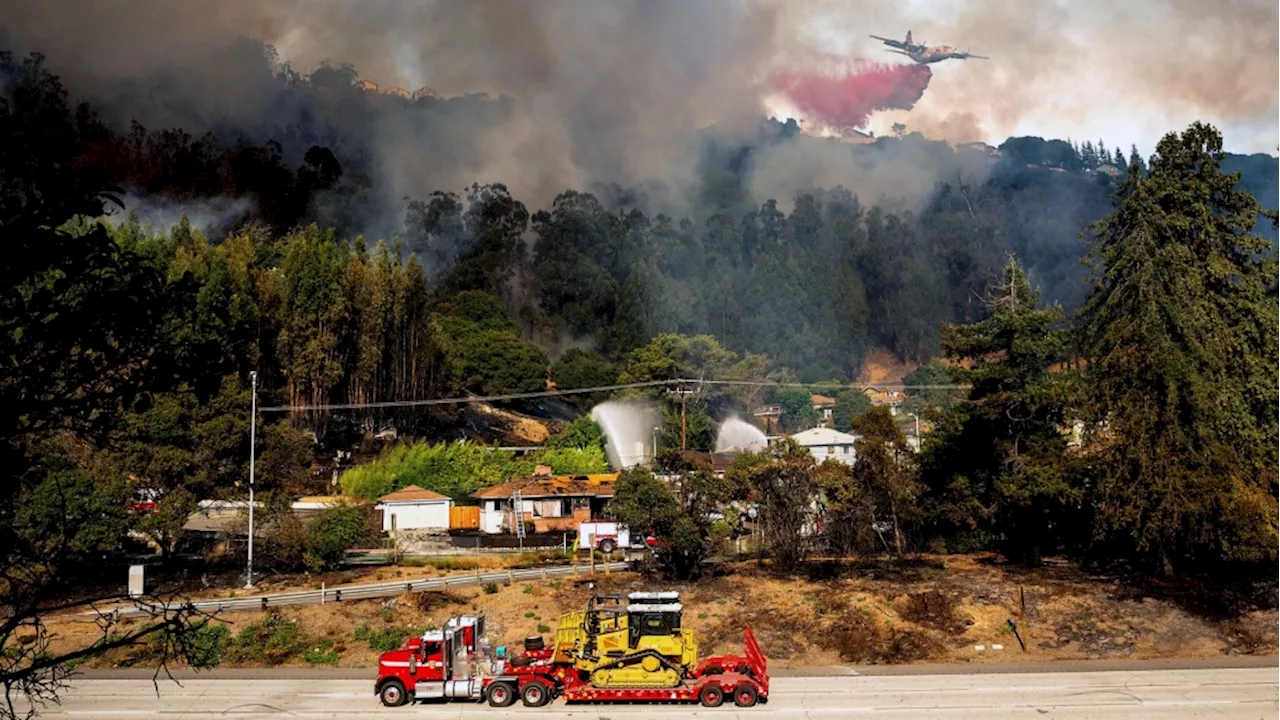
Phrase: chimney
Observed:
(542, 471)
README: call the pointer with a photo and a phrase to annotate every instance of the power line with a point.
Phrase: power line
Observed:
(466, 398)
(599, 388)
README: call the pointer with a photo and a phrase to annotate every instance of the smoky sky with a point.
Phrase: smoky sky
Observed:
(1076, 68)
(610, 91)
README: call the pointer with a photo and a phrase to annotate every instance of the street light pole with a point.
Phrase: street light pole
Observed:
(253, 427)
(917, 417)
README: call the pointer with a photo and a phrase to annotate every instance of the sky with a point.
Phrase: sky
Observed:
(1125, 71)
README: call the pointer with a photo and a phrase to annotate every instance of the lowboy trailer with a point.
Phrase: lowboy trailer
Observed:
(455, 663)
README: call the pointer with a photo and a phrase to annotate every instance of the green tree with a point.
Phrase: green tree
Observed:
(581, 434)
(334, 531)
(1180, 335)
(483, 352)
(579, 368)
(680, 517)
(849, 405)
(998, 458)
(783, 481)
(798, 412)
(934, 372)
(79, 342)
(885, 472)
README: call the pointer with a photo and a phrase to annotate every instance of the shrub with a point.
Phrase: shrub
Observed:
(382, 640)
(543, 629)
(490, 588)
(208, 643)
(323, 653)
(271, 642)
(335, 530)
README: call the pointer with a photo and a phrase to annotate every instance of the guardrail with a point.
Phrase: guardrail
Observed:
(381, 590)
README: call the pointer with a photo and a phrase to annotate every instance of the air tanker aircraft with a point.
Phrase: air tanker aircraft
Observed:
(924, 54)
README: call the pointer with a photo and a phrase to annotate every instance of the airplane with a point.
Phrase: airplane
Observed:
(925, 55)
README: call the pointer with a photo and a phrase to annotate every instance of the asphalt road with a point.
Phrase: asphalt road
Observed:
(1168, 694)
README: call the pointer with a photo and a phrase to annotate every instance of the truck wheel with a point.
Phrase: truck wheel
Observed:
(534, 642)
(711, 696)
(744, 696)
(392, 694)
(713, 670)
(535, 694)
(501, 695)
(608, 546)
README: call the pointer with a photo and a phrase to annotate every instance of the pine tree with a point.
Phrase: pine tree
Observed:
(1003, 448)
(1180, 331)
(1135, 159)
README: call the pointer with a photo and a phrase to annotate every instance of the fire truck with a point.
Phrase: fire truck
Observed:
(620, 649)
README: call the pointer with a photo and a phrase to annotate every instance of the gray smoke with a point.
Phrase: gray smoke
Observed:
(212, 216)
(612, 91)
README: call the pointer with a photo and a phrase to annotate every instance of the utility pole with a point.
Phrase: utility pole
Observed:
(918, 443)
(684, 394)
(253, 427)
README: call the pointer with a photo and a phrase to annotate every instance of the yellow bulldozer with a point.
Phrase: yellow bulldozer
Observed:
(631, 641)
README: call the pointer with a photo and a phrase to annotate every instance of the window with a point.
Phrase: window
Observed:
(831, 449)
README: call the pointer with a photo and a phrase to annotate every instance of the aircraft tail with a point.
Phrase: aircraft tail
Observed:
(909, 38)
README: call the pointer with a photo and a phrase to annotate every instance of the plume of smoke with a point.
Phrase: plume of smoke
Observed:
(845, 101)
(212, 216)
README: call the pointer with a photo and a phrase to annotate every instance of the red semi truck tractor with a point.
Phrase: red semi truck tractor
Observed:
(455, 662)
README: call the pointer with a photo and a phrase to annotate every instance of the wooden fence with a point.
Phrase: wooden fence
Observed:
(466, 517)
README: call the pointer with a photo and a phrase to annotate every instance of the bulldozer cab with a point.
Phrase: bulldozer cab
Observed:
(649, 620)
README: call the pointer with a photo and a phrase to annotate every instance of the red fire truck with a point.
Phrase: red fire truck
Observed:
(455, 662)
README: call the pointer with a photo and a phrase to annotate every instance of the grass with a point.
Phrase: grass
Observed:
(324, 653)
(381, 640)
(271, 642)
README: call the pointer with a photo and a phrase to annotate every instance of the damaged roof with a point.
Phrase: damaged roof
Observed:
(541, 486)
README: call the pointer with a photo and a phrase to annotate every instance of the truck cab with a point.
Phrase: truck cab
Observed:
(451, 662)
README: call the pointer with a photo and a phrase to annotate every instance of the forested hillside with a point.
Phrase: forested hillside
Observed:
(811, 278)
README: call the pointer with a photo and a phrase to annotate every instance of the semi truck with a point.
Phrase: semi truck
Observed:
(619, 649)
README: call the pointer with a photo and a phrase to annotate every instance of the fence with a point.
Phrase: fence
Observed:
(382, 590)
(466, 517)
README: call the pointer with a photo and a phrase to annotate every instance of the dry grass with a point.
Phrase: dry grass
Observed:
(927, 610)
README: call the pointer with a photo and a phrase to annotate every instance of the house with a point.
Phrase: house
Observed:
(891, 396)
(825, 443)
(423, 92)
(554, 503)
(414, 508)
(367, 85)
(825, 407)
(398, 92)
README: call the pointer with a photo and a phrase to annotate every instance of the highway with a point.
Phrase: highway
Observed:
(1169, 694)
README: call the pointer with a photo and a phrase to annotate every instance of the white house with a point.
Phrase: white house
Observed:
(825, 443)
(415, 508)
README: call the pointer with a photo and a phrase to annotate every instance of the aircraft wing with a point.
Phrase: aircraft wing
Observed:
(968, 56)
(891, 42)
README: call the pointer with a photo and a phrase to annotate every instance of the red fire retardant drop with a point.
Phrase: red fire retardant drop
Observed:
(845, 101)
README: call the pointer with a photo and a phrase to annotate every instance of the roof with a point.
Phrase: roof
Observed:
(822, 400)
(552, 486)
(823, 436)
(412, 493)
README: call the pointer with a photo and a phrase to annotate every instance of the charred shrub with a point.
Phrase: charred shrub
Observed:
(936, 610)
